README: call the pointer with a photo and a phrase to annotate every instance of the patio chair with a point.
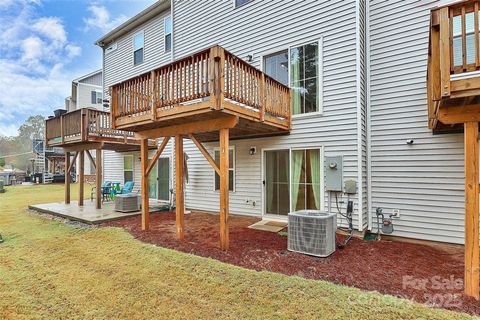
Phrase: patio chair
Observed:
(128, 187)
(104, 190)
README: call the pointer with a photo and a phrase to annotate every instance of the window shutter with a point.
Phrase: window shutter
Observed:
(94, 97)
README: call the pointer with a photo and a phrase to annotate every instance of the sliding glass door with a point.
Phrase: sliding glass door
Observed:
(306, 192)
(163, 179)
(159, 180)
(277, 182)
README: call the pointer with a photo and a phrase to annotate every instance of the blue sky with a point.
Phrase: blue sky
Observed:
(44, 45)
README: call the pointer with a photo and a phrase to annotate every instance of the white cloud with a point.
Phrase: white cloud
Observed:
(73, 50)
(52, 28)
(8, 130)
(101, 19)
(32, 49)
(33, 54)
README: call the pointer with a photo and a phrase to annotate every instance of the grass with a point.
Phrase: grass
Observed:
(52, 270)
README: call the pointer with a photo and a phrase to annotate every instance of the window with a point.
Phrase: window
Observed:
(239, 3)
(276, 66)
(469, 39)
(304, 78)
(96, 97)
(138, 41)
(306, 176)
(303, 65)
(231, 169)
(127, 168)
(168, 33)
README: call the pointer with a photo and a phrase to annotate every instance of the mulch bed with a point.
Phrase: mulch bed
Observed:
(427, 274)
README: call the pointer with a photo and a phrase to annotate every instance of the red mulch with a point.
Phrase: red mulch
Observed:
(423, 273)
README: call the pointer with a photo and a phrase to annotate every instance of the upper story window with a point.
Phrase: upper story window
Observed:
(168, 34)
(304, 78)
(276, 66)
(138, 42)
(298, 67)
(468, 36)
(96, 97)
(239, 3)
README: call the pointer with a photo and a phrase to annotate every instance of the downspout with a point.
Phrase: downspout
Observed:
(172, 146)
(103, 95)
(359, 116)
(369, 135)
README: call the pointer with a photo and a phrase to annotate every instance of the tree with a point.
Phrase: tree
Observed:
(2, 162)
(33, 128)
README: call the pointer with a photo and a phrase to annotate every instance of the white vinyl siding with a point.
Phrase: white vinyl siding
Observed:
(118, 64)
(231, 169)
(424, 180)
(84, 96)
(267, 27)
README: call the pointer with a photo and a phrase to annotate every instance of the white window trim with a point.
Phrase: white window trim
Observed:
(133, 167)
(319, 77)
(143, 47)
(234, 168)
(165, 34)
(290, 149)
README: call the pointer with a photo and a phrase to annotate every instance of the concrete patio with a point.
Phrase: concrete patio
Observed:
(88, 213)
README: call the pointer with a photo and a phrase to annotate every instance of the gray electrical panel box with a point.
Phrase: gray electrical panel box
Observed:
(334, 173)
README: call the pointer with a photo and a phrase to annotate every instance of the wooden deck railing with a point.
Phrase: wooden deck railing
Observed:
(82, 125)
(213, 73)
(452, 56)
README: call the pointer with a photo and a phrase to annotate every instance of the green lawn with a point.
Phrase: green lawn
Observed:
(52, 270)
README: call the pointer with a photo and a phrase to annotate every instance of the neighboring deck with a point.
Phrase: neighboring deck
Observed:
(88, 127)
(209, 85)
(453, 77)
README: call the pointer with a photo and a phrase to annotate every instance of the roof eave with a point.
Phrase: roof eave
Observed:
(135, 21)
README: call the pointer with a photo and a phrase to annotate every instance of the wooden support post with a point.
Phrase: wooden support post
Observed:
(67, 177)
(144, 175)
(157, 154)
(81, 178)
(98, 177)
(179, 206)
(471, 282)
(224, 161)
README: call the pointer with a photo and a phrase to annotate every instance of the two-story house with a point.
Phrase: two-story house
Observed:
(357, 73)
(87, 92)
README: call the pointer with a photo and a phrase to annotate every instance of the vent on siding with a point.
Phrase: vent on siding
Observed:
(312, 232)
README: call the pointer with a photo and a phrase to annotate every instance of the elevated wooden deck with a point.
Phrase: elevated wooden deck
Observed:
(453, 94)
(207, 86)
(211, 95)
(453, 72)
(90, 129)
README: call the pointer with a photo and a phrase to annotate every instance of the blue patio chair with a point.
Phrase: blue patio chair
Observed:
(104, 190)
(128, 187)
